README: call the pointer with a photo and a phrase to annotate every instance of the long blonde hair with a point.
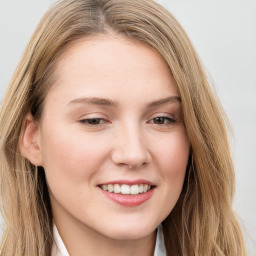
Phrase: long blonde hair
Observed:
(202, 222)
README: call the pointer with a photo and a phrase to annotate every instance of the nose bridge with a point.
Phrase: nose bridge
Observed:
(130, 146)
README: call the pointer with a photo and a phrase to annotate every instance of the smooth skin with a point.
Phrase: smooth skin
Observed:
(114, 104)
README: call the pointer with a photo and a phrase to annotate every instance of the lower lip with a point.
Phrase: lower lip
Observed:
(129, 200)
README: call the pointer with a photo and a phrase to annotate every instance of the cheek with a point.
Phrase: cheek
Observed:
(71, 158)
(173, 160)
(176, 159)
(173, 153)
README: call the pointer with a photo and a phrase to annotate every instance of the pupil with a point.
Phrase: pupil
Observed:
(159, 120)
(95, 121)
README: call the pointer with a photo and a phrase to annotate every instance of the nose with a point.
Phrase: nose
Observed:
(130, 148)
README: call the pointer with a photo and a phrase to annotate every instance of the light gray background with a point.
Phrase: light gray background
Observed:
(224, 34)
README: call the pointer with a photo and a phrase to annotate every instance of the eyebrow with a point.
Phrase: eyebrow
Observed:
(112, 103)
(171, 99)
(95, 101)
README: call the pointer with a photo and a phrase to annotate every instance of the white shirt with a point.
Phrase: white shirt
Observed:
(59, 249)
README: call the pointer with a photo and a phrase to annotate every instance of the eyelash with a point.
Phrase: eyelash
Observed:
(100, 121)
(167, 120)
(87, 121)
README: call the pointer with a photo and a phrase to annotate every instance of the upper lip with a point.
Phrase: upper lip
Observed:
(129, 182)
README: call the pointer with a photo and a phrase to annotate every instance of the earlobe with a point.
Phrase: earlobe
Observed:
(30, 141)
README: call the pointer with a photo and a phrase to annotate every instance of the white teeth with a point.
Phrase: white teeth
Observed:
(126, 189)
(145, 188)
(105, 187)
(135, 190)
(117, 189)
(110, 188)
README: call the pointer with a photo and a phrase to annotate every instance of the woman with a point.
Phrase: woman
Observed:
(111, 136)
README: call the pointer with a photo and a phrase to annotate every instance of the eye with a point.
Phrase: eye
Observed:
(162, 120)
(93, 121)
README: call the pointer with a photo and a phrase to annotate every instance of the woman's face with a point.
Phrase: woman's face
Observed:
(112, 121)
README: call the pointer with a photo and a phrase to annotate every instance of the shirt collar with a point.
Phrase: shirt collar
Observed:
(160, 249)
(59, 249)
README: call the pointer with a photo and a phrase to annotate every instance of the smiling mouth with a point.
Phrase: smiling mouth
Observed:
(126, 189)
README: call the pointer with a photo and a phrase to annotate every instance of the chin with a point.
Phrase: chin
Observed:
(128, 231)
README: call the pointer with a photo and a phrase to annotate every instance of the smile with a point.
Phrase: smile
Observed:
(126, 189)
(129, 193)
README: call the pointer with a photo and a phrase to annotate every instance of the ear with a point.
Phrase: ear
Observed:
(30, 141)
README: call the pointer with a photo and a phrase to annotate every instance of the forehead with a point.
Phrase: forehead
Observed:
(112, 66)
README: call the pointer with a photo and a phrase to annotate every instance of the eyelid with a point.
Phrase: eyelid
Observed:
(92, 115)
(163, 114)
